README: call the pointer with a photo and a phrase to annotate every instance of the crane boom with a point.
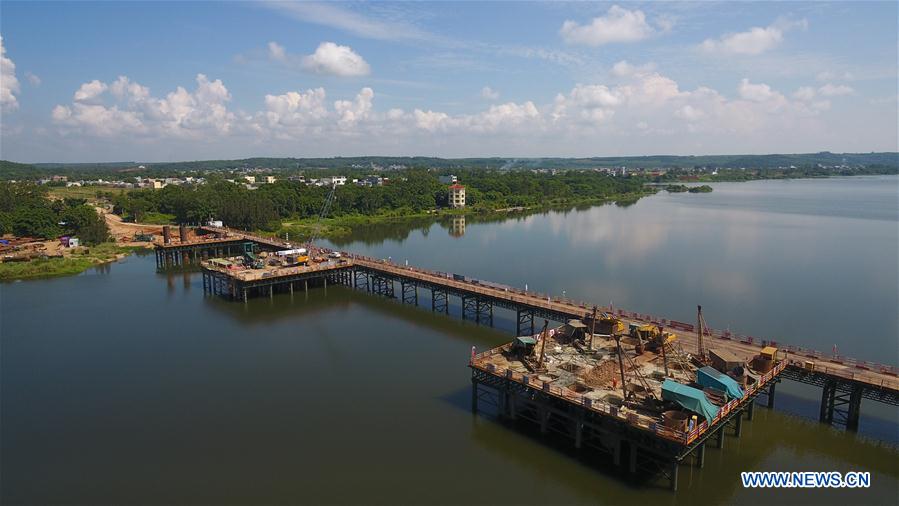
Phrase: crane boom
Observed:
(326, 208)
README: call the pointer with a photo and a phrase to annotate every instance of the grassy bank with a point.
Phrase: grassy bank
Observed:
(299, 230)
(76, 263)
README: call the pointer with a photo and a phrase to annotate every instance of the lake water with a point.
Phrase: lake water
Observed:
(122, 385)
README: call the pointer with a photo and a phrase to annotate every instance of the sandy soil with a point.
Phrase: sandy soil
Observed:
(123, 232)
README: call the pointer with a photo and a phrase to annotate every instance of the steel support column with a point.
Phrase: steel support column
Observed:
(525, 322)
(828, 396)
(439, 301)
(410, 292)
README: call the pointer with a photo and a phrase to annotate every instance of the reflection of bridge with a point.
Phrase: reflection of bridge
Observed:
(844, 381)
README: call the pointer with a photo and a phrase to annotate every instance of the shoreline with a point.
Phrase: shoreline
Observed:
(55, 267)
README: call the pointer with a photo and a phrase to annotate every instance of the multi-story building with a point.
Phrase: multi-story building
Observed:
(457, 196)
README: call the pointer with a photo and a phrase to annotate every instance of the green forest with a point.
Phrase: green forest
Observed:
(25, 210)
(408, 192)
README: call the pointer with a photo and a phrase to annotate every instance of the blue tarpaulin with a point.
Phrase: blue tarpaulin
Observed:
(709, 377)
(690, 398)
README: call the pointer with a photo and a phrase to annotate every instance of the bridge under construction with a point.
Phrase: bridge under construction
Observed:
(609, 391)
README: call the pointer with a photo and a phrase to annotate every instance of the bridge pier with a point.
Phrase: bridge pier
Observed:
(841, 406)
(478, 309)
(382, 286)
(439, 301)
(409, 291)
(525, 322)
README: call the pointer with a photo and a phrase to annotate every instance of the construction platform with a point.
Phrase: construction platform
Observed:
(614, 396)
(230, 278)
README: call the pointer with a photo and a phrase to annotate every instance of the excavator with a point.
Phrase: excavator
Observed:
(609, 325)
(650, 337)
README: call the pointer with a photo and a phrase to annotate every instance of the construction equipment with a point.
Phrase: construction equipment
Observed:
(610, 325)
(543, 337)
(250, 259)
(650, 337)
(701, 331)
(638, 374)
(326, 208)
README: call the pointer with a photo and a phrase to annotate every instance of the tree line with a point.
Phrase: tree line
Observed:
(408, 192)
(25, 210)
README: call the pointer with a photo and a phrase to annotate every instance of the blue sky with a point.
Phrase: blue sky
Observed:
(104, 81)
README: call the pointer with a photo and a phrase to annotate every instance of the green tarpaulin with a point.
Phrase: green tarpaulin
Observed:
(690, 398)
(709, 377)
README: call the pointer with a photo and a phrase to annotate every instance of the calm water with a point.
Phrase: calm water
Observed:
(126, 386)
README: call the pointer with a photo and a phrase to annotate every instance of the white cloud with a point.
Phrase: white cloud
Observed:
(124, 88)
(179, 114)
(639, 104)
(350, 113)
(618, 25)
(625, 69)
(506, 115)
(756, 92)
(294, 109)
(835, 90)
(809, 93)
(805, 93)
(276, 51)
(32, 78)
(430, 120)
(754, 41)
(489, 93)
(337, 60)
(9, 84)
(90, 91)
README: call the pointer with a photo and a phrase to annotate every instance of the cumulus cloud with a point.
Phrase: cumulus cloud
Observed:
(130, 109)
(351, 112)
(294, 109)
(639, 103)
(754, 41)
(90, 91)
(618, 25)
(489, 93)
(430, 120)
(625, 69)
(9, 84)
(333, 59)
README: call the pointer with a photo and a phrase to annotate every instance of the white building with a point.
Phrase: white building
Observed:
(450, 179)
(457, 196)
(270, 179)
(250, 179)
